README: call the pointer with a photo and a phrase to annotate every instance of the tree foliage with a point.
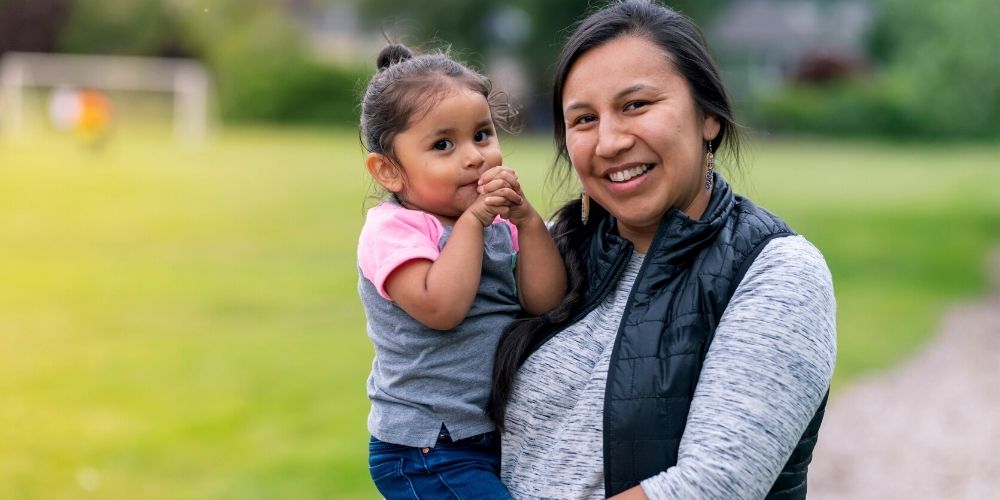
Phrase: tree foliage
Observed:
(254, 48)
(472, 30)
(935, 77)
(125, 27)
(943, 56)
(31, 25)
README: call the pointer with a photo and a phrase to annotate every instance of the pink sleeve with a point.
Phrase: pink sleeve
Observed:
(513, 232)
(393, 236)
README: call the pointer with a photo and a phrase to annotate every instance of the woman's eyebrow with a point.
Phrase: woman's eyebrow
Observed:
(631, 89)
(576, 105)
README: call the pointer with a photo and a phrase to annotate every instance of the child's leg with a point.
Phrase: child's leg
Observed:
(469, 467)
(464, 469)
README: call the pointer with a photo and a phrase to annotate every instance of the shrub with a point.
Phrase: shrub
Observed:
(937, 79)
(289, 90)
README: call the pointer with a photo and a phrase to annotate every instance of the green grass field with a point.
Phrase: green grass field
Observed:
(183, 324)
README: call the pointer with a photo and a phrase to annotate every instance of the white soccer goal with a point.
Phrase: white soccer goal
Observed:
(185, 79)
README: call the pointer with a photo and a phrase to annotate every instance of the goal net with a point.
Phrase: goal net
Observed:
(184, 81)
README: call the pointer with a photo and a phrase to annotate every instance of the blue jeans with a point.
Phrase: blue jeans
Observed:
(464, 469)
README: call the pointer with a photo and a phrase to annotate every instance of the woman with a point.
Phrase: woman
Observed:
(693, 354)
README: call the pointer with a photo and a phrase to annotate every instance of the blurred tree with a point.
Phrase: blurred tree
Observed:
(941, 57)
(455, 22)
(263, 67)
(125, 27)
(255, 49)
(474, 30)
(32, 25)
(935, 77)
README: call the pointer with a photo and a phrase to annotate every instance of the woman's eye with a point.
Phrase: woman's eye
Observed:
(635, 105)
(442, 145)
(584, 119)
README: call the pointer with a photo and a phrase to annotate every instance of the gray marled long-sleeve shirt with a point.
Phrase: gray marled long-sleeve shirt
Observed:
(763, 378)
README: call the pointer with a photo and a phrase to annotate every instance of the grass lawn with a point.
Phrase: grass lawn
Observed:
(183, 324)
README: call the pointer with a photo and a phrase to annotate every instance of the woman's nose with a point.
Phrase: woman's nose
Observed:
(612, 138)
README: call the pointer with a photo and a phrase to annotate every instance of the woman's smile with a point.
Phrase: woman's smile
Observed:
(630, 172)
(628, 179)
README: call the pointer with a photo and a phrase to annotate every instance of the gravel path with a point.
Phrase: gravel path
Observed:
(929, 428)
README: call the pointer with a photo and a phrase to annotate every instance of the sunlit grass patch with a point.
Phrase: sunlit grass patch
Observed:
(183, 323)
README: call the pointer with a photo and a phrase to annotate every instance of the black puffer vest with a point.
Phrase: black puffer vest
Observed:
(687, 278)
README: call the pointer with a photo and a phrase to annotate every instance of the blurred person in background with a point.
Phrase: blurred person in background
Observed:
(86, 113)
(693, 354)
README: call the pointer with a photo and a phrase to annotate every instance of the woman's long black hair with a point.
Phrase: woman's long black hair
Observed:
(681, 39)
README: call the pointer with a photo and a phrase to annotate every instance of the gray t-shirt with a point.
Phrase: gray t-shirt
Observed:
(765, 374)
(422, 378)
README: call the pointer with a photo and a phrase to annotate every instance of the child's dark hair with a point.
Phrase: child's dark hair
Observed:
(407, 85)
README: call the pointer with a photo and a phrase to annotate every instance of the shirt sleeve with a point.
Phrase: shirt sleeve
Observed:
(393, 236)
(764, 376)
(513, 232)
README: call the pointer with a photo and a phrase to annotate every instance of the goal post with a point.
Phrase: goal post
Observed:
(186, 79)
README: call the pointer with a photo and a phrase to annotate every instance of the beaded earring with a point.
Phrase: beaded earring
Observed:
(709, 177)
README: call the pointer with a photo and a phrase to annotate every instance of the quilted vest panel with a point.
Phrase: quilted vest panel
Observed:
(689, 275)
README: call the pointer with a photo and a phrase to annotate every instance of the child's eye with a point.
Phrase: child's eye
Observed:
(482, 136)
(443, 145)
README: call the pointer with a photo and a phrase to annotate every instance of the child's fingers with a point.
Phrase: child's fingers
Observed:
(511, 177)
(502, 173)
(503, 197)
(500, 181)
(509, 194)
(495, 185)
(492, 173)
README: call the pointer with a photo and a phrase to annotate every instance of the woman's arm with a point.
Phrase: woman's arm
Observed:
(765, 374)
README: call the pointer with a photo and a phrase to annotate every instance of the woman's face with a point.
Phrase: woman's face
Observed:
(635, 136)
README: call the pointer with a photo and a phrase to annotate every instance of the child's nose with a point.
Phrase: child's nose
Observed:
(474, 158)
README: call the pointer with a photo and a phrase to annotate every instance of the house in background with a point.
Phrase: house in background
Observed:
(763, 44)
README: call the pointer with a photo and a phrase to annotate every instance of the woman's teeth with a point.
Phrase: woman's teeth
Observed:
(625, 175)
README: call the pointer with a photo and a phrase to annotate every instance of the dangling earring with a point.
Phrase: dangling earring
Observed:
(584, 207)
(709, 177)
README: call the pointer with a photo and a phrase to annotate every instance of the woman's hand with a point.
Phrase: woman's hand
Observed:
(633, 493)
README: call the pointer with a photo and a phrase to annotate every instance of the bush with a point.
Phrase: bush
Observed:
(289, 90)
(882, 107)
(937, 79)
(846, 108)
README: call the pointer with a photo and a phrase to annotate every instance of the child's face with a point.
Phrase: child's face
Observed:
(444, 152)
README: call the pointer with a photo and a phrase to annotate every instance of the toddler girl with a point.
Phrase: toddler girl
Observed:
(446, 262)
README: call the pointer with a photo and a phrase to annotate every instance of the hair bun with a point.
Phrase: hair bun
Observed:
(393, 54)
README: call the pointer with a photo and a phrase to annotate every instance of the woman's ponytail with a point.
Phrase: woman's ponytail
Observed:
(521, 337)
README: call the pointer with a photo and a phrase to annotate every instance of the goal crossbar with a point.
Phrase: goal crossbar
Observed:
(186, 79)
